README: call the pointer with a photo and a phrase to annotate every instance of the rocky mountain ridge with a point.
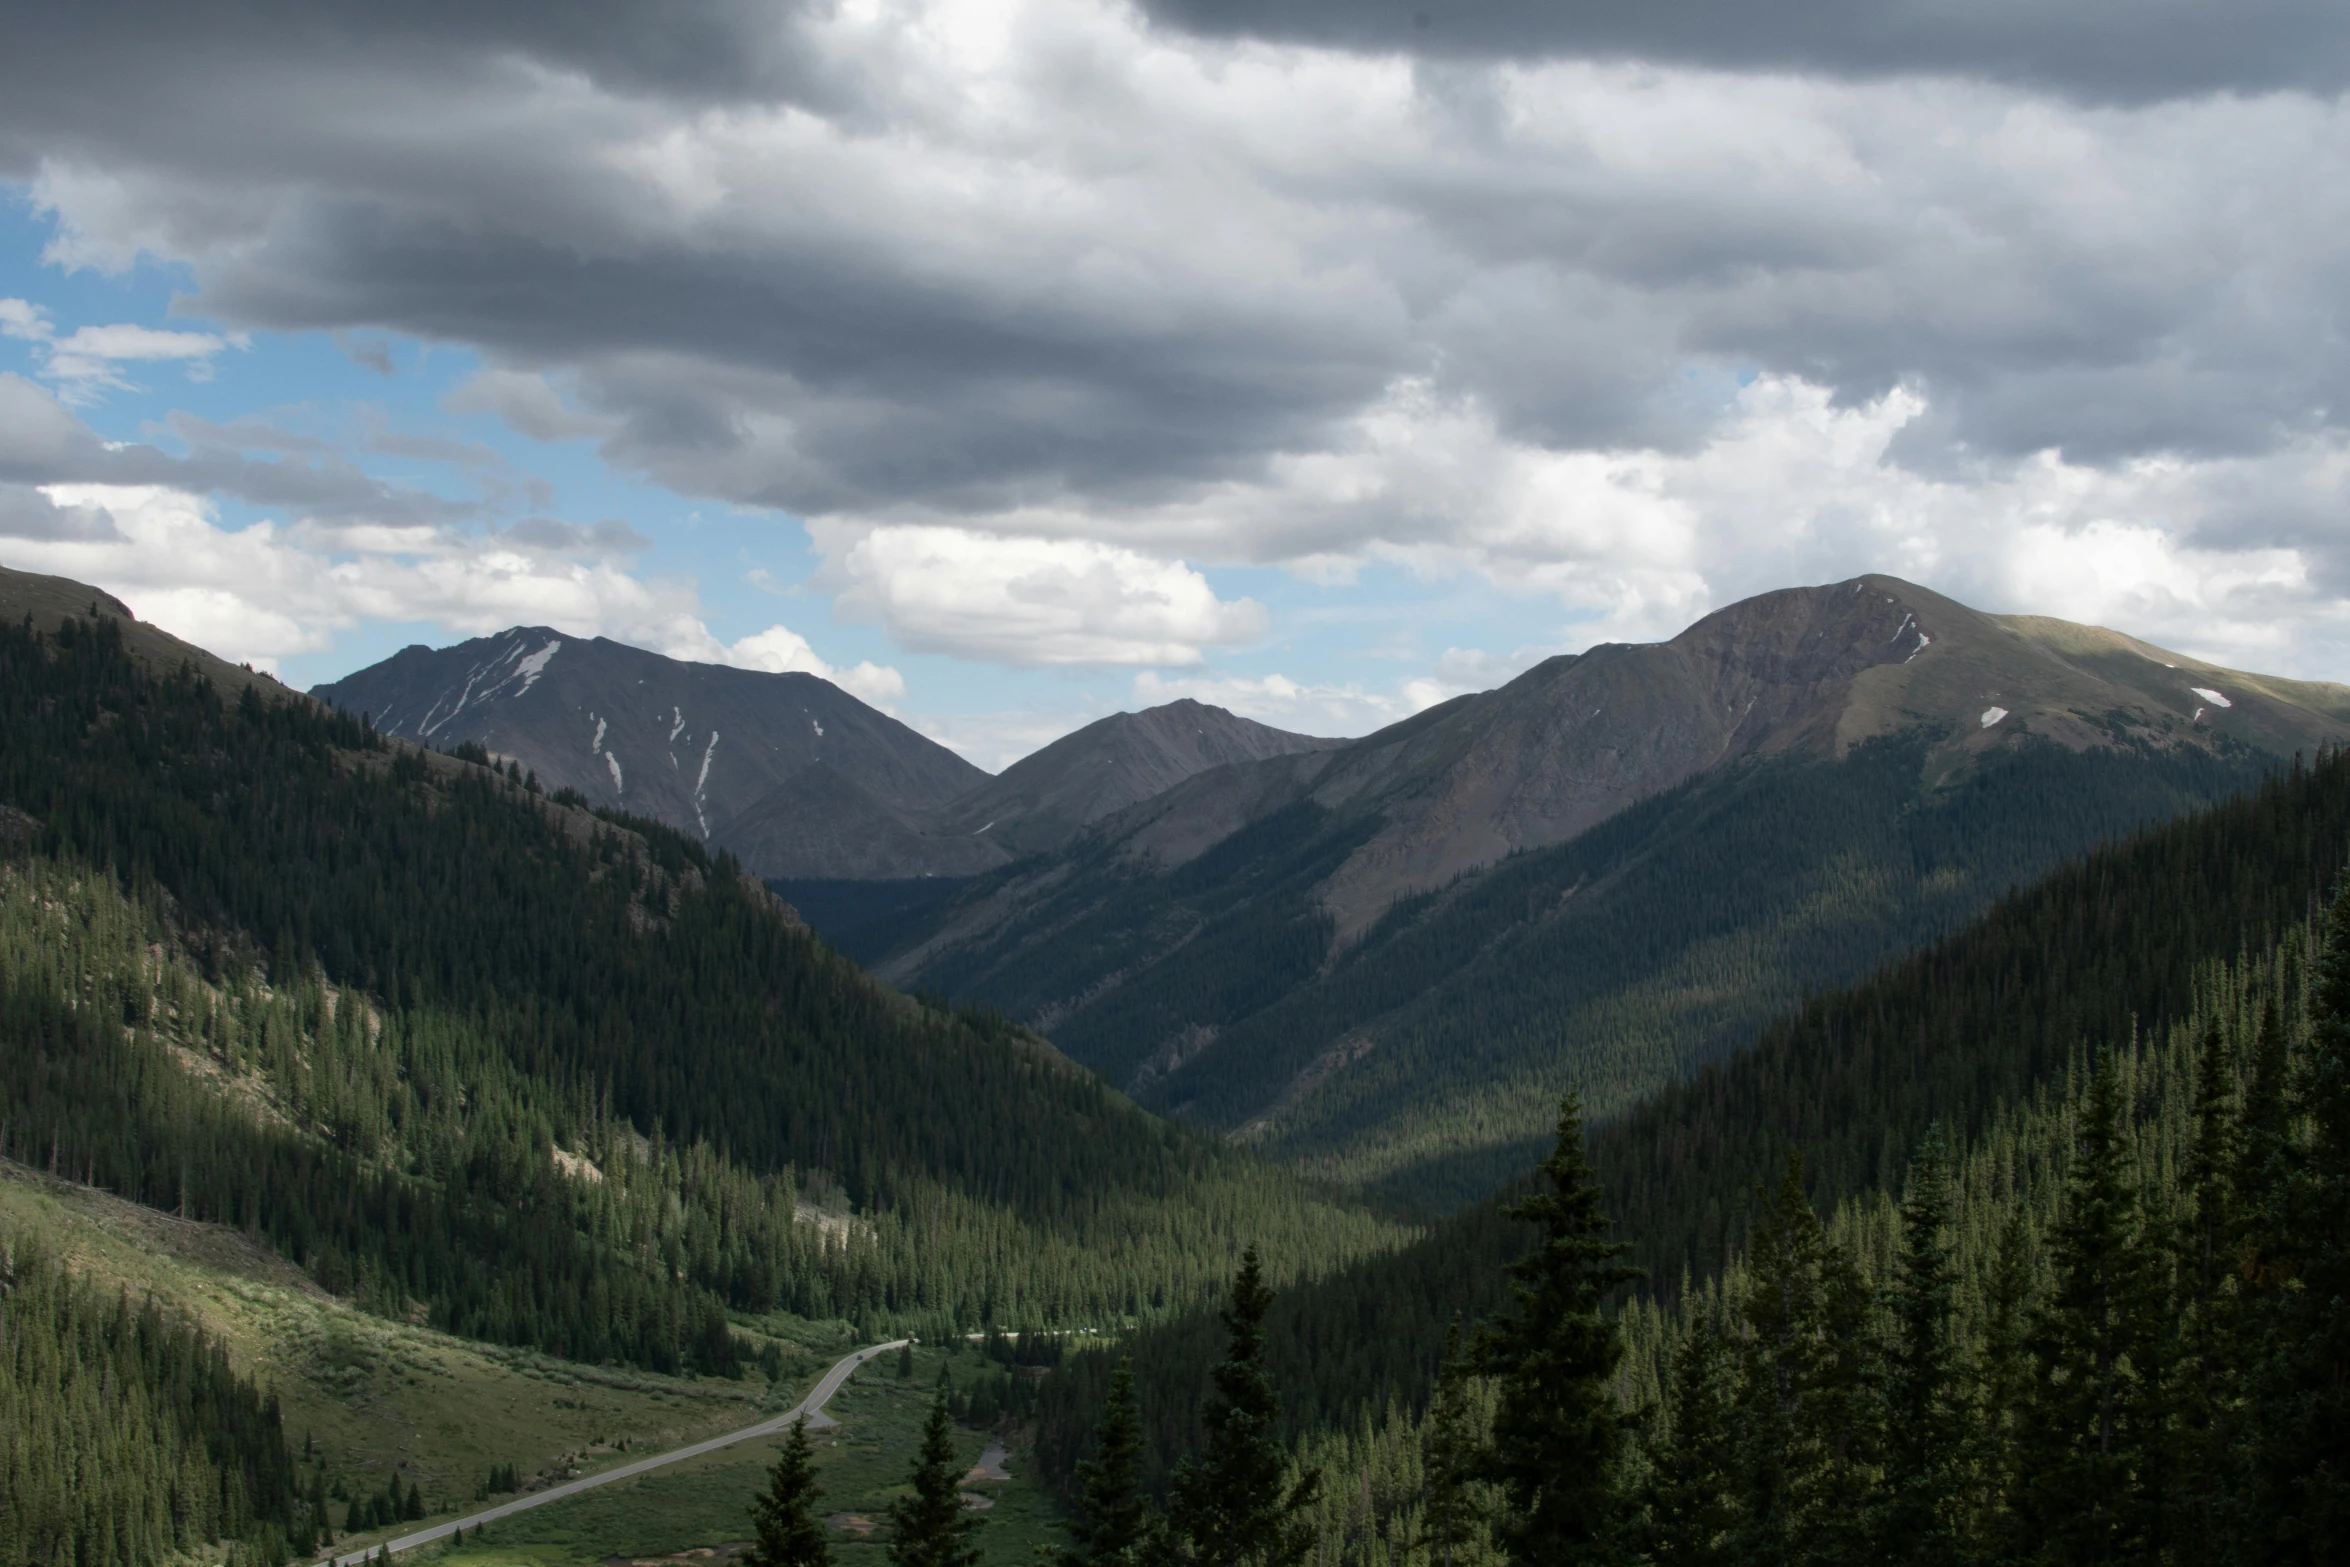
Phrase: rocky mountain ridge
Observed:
(796, 776)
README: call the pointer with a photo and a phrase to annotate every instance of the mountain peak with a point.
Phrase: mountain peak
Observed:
(687, 743)
(1048, 797)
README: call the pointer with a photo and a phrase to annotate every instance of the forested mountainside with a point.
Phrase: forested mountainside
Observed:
(538, 1076)
(2107, 1328)
(688, 744)
(1416, 1060)
(1793, 791)
(124, 1434)
(2178, 957)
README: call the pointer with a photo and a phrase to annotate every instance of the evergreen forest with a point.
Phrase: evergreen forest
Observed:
(2030, 1248)
(416, 1027)
(124, 1434)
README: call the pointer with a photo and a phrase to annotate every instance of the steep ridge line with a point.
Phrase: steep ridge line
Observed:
(1382, 961)
(812, 1406)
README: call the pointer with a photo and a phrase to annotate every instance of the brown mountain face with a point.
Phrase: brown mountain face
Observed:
(822, 827)
(1044, 800)
(818, 824)
(1606, 872)
(1578, 738)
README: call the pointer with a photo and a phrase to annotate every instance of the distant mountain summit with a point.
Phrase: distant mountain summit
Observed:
(820, 825)
(684, 743)
(1044, 800)
(796, 776)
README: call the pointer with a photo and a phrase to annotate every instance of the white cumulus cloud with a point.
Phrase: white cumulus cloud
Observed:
(780, 650)
(1032, 601)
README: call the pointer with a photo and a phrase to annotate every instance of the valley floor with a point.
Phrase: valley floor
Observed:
(382, 1399)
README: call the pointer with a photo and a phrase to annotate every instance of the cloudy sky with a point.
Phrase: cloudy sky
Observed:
(1014, 361)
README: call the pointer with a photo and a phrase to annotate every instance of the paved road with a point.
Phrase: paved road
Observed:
(812, 1406)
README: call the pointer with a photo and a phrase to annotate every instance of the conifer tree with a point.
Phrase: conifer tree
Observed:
(1229, 1507)
(1453, 1456)
(2299, 1491)
(2092, 1427)
(1558, 1438)
(2208, 1245)
(1114, 1523)
(1688, 1507)
(1805, 1433)
(2002, 1385)
(1918, 1518)
(789, 1534)
(932, 1528)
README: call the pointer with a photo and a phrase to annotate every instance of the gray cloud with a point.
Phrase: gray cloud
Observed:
(41, 442)
(25, 513)
(244, 435)
(608, 537)
(874, 287)
(371, 353)
(2125, 53)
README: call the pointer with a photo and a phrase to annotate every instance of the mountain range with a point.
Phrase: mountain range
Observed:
(796, 776)
(1386, 959)
(511, 1076)
(1382, 957)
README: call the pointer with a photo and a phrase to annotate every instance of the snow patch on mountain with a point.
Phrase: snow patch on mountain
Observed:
(536, 665)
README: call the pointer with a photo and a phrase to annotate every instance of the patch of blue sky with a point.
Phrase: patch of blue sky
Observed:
(378, 402)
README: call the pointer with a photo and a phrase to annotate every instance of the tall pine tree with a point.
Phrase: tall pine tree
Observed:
(784, 1519)
(1114, 1524)
(2092, 1429)
(2002, 1384)
(1805, 1426)
(2300, 1381)
(1918, 1513)
(932, 1528)
(1229, 1507)
(1688, 1506)
(1558, 1437)
(2208, 1244)
(1452, 1461)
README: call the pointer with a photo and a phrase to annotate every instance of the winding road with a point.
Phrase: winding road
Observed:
(812, 1406)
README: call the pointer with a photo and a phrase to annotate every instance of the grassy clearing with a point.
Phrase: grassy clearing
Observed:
(380, 1398)
(703, 1505)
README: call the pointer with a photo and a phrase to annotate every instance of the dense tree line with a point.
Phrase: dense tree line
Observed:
(124, 1434)
(2111, 1328)
(558, 1080)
